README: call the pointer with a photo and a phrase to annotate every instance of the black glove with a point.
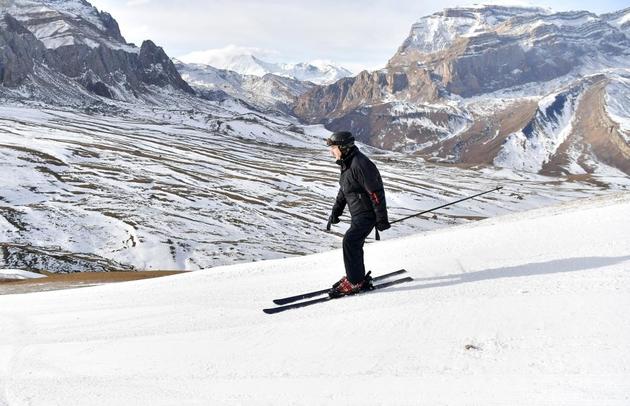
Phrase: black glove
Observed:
(382, 225)
(332, 220)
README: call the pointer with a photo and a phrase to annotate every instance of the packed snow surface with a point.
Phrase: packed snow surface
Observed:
(521, 309)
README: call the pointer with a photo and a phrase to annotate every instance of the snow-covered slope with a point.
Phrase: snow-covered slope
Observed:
(246, 62)
(525, 309)
(17, 274)
(618, 104)
(532, 147)
(58, 23)
(198, 186)
(620, 19)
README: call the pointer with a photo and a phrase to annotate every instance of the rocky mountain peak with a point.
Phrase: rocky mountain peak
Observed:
(463, 58)
(19, 51)
(111, 26)
(53, 41)
(438, 31)
(158, 69)
(65, 22)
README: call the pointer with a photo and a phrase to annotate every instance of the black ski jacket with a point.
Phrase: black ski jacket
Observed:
(361, 188)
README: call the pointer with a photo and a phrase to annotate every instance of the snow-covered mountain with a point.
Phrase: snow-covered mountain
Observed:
(317, 71)
(267, 92)
(246, 63)
(521, 87)
(58, 23)
(524, 309)
(439, 31)
(619, 19)
(67, 52)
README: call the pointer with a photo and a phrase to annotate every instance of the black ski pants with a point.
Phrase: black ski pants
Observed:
(353, 240)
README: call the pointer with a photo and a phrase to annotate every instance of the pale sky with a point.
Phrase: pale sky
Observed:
(356, 34)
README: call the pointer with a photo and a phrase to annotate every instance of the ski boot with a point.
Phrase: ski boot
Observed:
(344, 287)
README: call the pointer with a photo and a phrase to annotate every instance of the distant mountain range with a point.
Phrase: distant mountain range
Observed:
(269, 92)
(519, 87)
(246, 63)
(233, 72)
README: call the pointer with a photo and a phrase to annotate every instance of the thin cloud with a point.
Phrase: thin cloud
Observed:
(133, 3)
(218, 56)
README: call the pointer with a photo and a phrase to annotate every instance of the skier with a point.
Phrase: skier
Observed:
(361, 188)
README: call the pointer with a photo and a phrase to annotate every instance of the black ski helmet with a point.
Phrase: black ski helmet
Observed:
(343, 139)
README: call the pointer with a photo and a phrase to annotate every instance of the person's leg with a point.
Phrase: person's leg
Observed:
(353, 242)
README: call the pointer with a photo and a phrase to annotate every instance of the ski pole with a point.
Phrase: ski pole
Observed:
(444, 205)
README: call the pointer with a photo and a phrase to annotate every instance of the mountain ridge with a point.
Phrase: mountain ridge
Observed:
(68, 52)
(471, 57)
(246, 62)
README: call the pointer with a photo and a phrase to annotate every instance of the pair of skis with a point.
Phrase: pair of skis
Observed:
(288, 303)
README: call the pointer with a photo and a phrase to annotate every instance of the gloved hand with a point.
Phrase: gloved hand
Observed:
(332, 220)
(382, 225)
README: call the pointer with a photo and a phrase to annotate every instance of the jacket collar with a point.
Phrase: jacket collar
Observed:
(345, 161)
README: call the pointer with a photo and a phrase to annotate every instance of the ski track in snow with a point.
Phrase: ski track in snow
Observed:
(521, 309)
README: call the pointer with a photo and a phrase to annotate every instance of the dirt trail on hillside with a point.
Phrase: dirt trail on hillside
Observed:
(75, 280)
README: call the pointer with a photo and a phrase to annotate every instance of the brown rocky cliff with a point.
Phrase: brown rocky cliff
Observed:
(593, 133)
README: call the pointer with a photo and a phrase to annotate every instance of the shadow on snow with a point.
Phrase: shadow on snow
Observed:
(530, 269)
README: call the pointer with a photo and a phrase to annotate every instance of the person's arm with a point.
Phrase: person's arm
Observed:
(337, 210)
(370, 178)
